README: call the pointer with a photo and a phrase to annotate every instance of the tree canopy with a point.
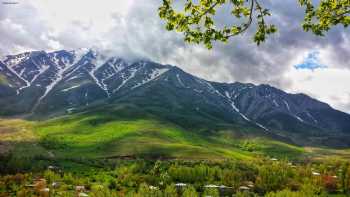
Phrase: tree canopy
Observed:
(195, 18)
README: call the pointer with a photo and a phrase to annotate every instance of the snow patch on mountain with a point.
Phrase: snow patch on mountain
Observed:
(287, 105)
(14, 60)
(288, 108)
(70, 88)
(180, 81)
(27, 83)
(313, 119)
(237, 110)
(233, 105)
(59, 76)
(117, 66)
(210, 87)
(56, 80)
(126, 79)
(74, 77)
(42, 69)
(78, 55)
(98, 62)
(261, 126)
(198, 91)
(86, 98)
(300, 119)
(114, 66)
(100, 84)
(22, 71)
(60, 62)
(152, 76)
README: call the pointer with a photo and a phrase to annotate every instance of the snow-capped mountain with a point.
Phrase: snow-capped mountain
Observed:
(44, 83)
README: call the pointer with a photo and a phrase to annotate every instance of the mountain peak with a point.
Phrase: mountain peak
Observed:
(61, 81)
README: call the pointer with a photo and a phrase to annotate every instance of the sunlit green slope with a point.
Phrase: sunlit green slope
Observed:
(126, 132)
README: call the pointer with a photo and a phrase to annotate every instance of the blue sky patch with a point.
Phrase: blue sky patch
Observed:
(311, 62)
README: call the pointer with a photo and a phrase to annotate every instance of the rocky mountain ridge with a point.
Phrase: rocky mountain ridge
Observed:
(43, 83)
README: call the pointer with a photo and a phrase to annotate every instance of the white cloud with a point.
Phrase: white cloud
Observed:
(330, 85)
(96, 15)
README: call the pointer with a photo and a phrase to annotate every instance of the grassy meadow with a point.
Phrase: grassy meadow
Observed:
(116, 135)
(98, 137)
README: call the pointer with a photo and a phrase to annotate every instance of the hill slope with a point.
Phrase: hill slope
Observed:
(128, 132)
(48, 85)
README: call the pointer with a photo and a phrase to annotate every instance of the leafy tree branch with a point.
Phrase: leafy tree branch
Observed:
(196, 18)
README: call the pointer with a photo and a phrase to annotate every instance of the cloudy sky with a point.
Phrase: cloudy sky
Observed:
(292, 60)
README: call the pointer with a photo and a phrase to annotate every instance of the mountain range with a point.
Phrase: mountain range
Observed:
(44, 85)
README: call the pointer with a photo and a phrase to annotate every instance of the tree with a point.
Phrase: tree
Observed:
(112, 184)
(345, 177)
(274, 177)
(170, 191)
(190, 191)
(195, 19)
(329, 183)
(245, 194)
(149, 191)
(211, 192)
(306, 190)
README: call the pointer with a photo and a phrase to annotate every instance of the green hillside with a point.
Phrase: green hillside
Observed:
(114, 133)
(125, 132)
